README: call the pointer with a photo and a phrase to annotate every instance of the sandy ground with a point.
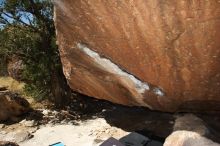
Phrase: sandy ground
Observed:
(89, 122)
(87, 133)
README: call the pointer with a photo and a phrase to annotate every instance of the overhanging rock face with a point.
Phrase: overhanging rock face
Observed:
(162, 54)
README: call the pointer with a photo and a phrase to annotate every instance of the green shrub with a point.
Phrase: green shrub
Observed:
(27, 30)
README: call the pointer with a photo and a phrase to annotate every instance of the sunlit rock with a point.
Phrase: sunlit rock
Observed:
(160, 54)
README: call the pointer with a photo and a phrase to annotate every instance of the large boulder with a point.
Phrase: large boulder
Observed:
(164, 55)
(12, 106)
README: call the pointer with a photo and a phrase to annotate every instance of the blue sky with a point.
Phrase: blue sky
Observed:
(23, 16)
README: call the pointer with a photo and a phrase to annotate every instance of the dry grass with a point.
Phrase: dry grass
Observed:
(17, 87)
(12, 84)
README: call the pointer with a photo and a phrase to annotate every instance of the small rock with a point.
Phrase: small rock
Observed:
(2, 126)
(98, 141)
(188, 138)
(33, 130)
(17, 136)
(64, 121)
(46, 112)
(51, 116)
(6, 143)
(30, 123)
(190, 122)
(53, 121)
(54, 112)
(70, 123)
(22, 136)
(3, 132)
(107, 131)
(12, 106)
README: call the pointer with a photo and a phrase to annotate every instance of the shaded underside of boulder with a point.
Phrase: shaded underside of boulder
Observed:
(164, 55)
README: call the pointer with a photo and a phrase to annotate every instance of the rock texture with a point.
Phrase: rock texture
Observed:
(188, 138)
(190, 122)
(164, 55)
(5, 143)
(11, 106)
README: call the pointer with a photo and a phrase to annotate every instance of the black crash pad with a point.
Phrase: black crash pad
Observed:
(112, 142)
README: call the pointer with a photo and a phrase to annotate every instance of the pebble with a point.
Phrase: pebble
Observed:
(3, 132)
(2, 126)
(107, 131)
(64, 121)
(171, 122)
(45, 112)
(30, 123)
(55, 112)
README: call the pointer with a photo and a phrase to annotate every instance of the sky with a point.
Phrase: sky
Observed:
(23, 16)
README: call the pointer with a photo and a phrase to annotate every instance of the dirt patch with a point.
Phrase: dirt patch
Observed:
(86, 133)
(88, 121)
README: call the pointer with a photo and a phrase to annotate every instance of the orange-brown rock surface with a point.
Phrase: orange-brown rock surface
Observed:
(162, 54)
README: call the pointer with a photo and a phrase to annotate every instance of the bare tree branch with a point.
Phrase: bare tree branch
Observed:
(19, 20)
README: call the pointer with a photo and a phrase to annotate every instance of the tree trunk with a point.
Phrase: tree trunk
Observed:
(3, 66)
(60, 90)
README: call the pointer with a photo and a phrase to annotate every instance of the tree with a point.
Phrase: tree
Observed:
(27, 30)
